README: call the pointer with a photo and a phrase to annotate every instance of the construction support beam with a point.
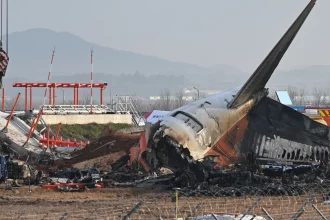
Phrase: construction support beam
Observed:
(26, 98)
(33, 127)
(50, 96)
(48, 132)
(74, 96)
(31, 98)
(101, 96)
(54, 95)
(77, 96)
(5, 129)
(52, 91)
(27, 88)
(57, 132)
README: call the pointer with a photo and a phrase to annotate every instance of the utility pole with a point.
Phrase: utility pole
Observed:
(6, 25)
(1, 19)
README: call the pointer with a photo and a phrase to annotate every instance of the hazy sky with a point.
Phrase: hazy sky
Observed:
(235, 32)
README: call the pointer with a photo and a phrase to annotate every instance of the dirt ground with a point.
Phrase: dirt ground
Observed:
(116, 203)
(110, 203)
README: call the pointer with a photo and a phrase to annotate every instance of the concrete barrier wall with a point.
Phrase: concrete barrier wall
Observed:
(87, 119)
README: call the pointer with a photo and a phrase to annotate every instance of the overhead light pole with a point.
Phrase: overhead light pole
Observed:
(197, 92)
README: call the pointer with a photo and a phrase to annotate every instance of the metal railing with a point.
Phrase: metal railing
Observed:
(120, 105)
(125, 103)
(75, 109)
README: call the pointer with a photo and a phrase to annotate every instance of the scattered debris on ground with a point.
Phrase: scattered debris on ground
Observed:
(106, 162)
(108, 143)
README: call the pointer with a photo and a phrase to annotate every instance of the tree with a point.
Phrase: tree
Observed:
(165, 102)
(86, 100)
(179, 101)
(324, 97)
(293, 94)
(302, 94)
(317, 96)
(69, 102)
(143, 105)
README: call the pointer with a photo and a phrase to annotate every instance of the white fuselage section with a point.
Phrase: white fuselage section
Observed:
(198, 126)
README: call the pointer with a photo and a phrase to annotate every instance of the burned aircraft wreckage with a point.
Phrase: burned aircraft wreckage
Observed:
(240, 126)
(240, 136)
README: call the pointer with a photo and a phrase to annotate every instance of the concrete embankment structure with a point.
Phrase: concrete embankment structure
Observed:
(87, 119)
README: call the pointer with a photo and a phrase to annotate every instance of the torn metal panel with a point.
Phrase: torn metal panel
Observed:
(228, 149)
(279, 132)
(270, 130)
(22, 152)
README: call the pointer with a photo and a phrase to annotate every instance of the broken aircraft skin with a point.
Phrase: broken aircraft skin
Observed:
(230, 127)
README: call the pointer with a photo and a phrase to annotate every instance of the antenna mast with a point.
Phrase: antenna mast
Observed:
(7, 29)
(49, 72)
(1, 19)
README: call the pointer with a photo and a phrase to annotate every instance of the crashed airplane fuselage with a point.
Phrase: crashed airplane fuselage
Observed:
(201, 127)
(232, 126)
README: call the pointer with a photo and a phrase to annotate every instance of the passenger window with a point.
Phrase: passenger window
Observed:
(189, 120)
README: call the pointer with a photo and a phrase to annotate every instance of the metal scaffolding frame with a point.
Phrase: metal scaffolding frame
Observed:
(52, 90)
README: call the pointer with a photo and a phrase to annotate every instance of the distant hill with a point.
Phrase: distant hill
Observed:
(127, 72)
(31, 50)
(308, 78)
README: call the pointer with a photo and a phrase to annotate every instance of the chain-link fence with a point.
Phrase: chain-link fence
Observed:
(278, 202)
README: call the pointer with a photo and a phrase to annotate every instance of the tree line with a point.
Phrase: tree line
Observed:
(317, 96)
(169, 100)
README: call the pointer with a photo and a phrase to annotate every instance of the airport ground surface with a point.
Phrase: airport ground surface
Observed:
(116, 203)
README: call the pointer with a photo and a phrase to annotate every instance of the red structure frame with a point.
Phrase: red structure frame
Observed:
(52, 142)
(52, 90)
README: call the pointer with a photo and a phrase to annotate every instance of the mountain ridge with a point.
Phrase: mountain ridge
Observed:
(129, 72)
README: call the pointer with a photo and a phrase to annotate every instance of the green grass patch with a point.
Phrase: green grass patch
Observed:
(85, 131)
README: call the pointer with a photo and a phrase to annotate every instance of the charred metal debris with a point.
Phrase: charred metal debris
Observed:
(239, 138)
(279, 147)
(268, 159)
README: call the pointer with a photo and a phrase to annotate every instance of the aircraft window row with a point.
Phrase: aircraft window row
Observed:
(189, 120)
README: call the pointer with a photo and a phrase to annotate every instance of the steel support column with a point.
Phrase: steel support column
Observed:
(30, 98)
(50, 96)
(54, 95)
(77, 96)
(5, 129)
(101, 96)
(26, 98)
(74, 96)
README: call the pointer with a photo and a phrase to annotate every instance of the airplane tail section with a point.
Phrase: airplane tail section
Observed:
(260, 77)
